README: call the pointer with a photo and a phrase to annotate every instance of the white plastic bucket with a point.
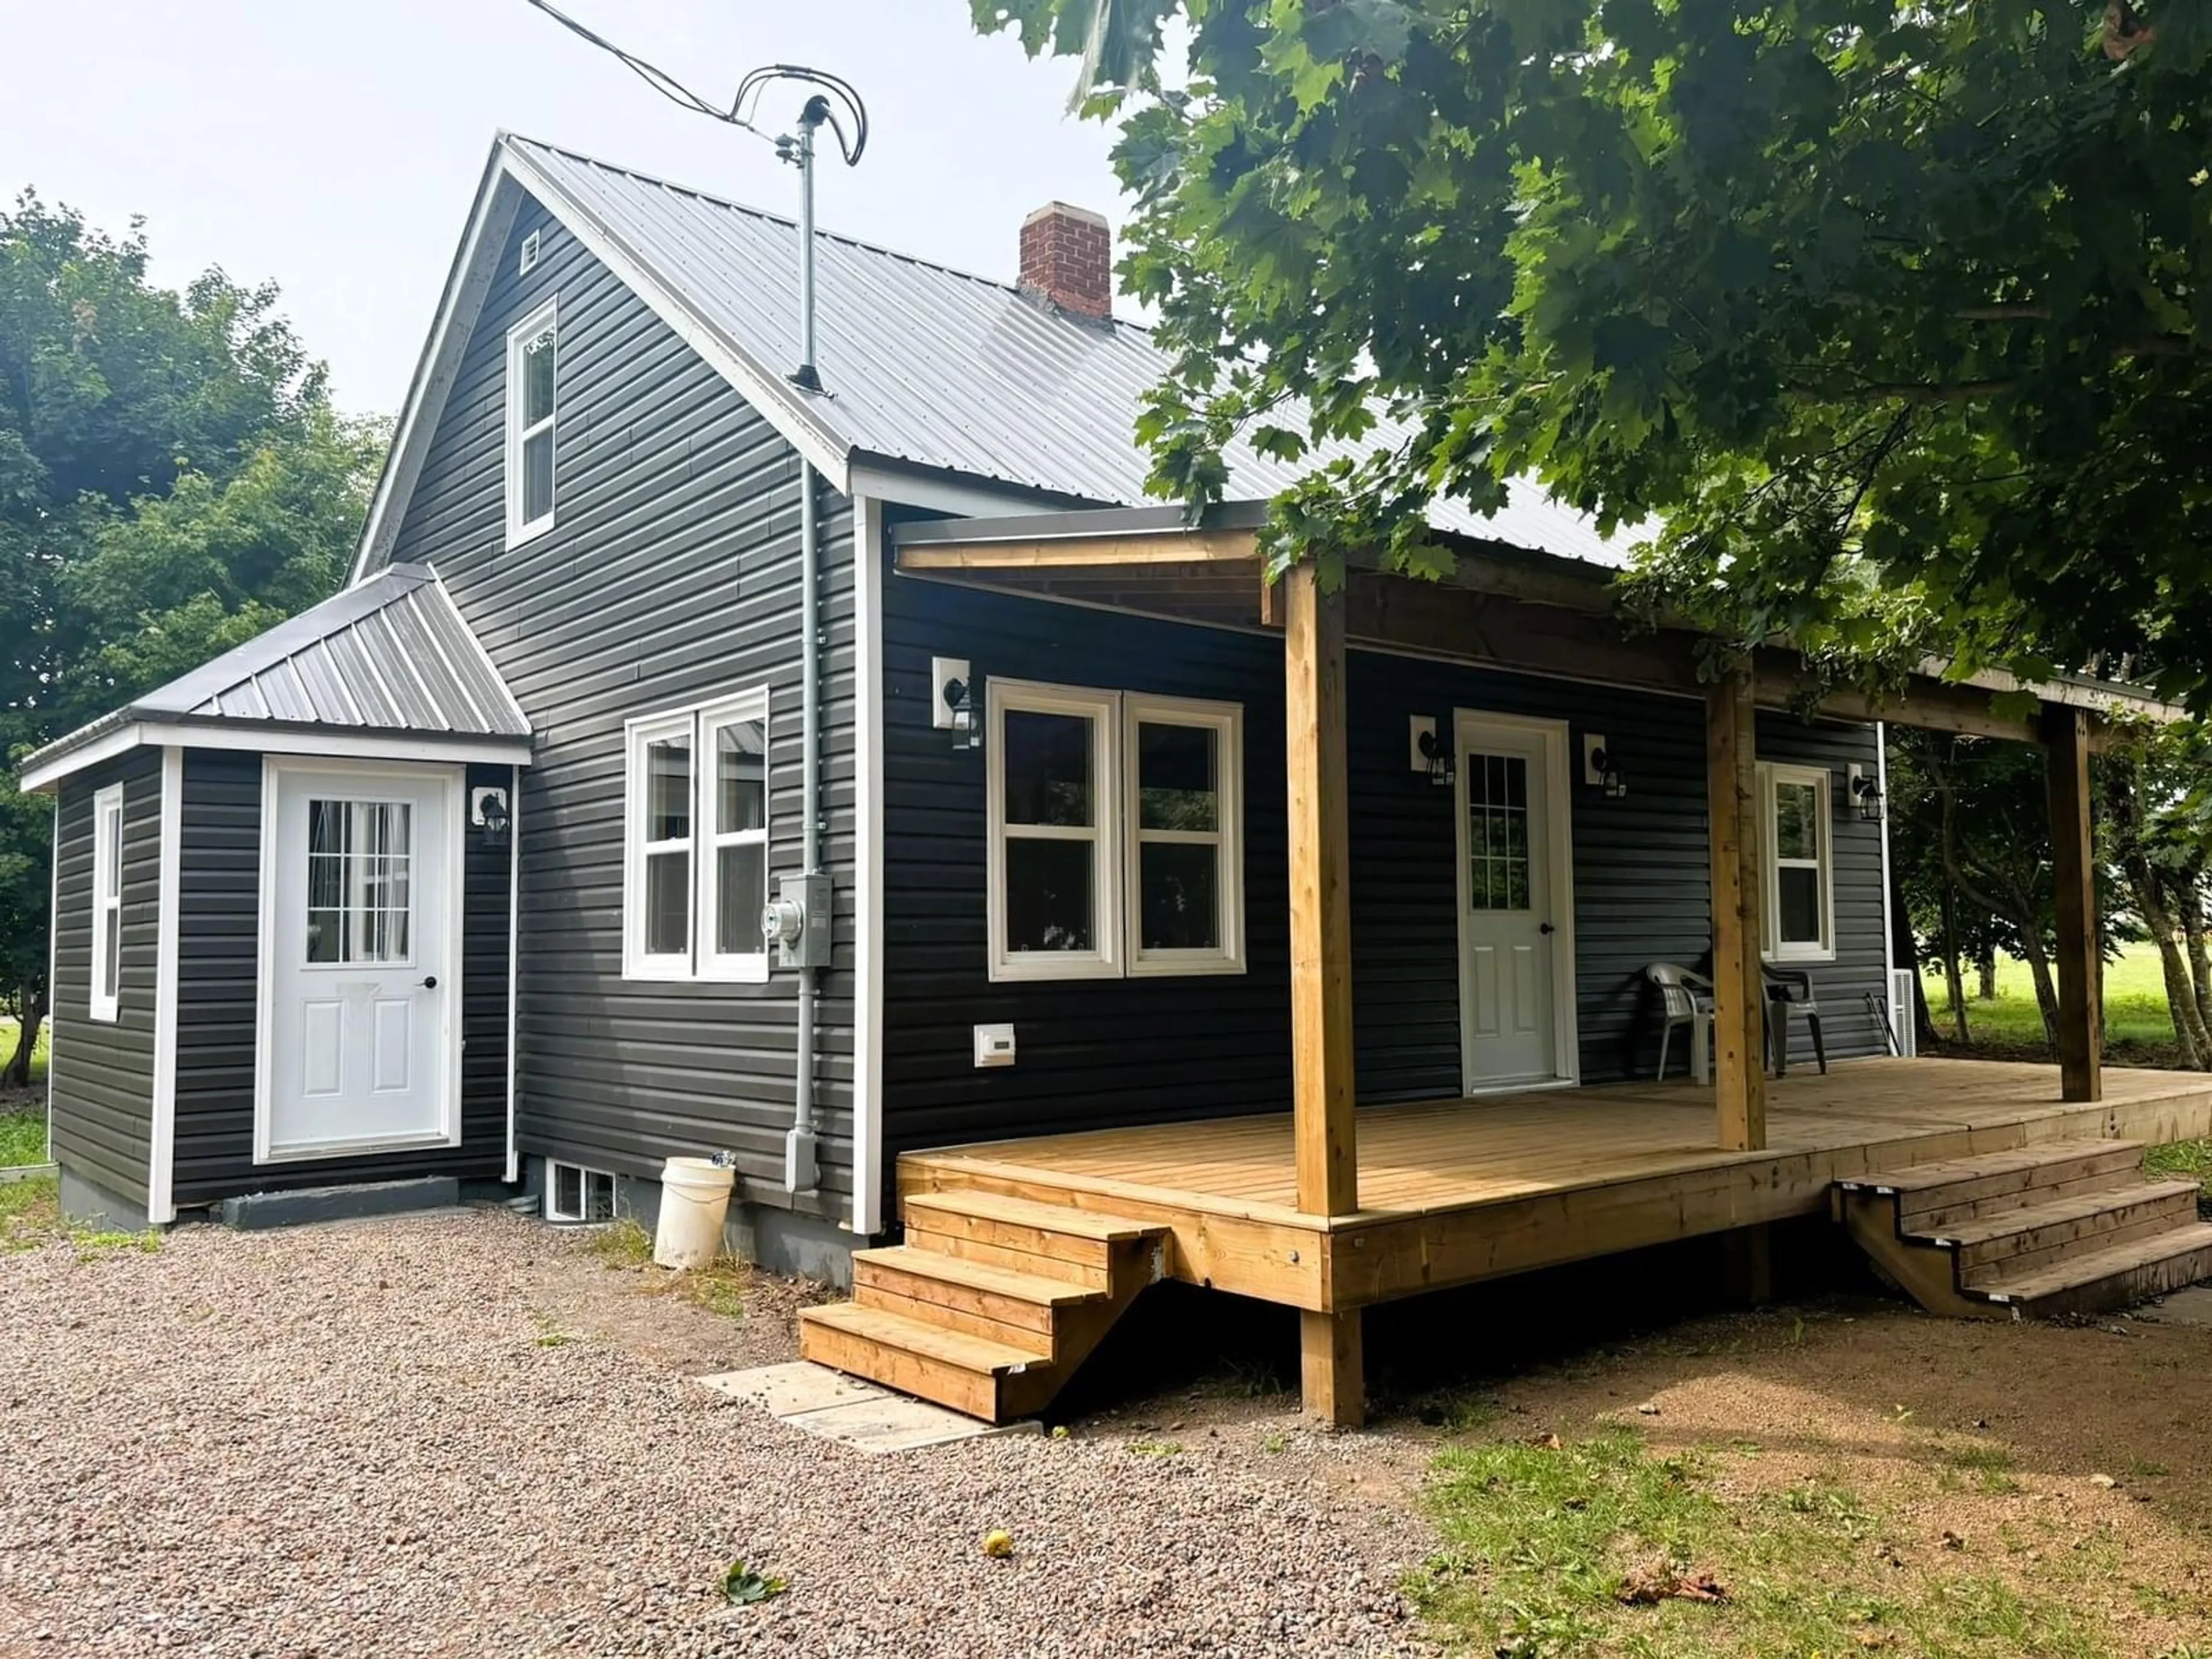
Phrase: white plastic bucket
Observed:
(694, 1196)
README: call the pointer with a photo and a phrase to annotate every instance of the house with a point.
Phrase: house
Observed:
(702, 761)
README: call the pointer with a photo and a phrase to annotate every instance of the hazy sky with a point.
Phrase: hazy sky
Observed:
(333, 148)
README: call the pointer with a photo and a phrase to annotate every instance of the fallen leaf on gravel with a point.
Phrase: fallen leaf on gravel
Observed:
(1649, 1587)
(745, 1587)
(998, 1543)
(1952, 1540)
(1545, 1442)
(2103, 1482)
(1650, 1408)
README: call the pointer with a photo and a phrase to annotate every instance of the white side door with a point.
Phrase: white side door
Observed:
(359, 960)
(1508, 894)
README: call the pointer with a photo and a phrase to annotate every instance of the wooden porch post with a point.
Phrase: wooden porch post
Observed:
(2074, 882)
(1320, 966)
(1738, 882)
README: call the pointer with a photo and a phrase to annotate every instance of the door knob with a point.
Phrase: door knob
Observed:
(430, 981)
(1546, 927)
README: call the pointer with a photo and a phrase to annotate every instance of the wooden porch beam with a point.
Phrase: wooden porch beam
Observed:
(1738, 884)
(1322, 1129)
(2074, 879)
(1076, 552)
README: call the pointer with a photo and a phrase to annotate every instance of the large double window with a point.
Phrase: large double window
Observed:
(107, 902)
(1798, 919)
(1116, 833)
(694, 876)
(533, 384)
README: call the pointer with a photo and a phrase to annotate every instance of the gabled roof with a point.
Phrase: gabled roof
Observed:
(388, 657)
(922, 366)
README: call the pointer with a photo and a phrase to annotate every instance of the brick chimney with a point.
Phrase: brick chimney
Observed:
(1067, 258)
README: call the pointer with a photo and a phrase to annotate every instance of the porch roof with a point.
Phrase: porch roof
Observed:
(388, 664)
(1507, 605)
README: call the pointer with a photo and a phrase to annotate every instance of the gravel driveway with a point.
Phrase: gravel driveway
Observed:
(442, 1435)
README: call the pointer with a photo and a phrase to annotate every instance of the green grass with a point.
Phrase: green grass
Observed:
(2135, 1002)
(30, 1212)
(2183, 1157)
(720, 1289)
(1541, 1541)
(23, 1136)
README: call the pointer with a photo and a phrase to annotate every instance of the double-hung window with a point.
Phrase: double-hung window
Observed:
(1799, 915)
(533, 384)
(696, 829)
(107, 902)
(1115, 834)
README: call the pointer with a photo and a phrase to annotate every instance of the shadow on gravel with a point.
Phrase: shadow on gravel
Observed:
(1433, 1348)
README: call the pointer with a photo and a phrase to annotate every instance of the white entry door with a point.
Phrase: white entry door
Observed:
(360, 959)
(1514, 905)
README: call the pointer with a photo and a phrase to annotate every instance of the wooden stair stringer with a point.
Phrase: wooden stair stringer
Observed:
(1034, 1288)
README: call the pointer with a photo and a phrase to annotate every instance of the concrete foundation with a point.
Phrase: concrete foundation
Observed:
(86, 1204)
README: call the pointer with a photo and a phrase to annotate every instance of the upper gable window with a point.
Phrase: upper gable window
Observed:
(533, 374)
(107, 902)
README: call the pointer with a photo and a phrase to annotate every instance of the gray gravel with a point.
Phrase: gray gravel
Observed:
(406, 1438)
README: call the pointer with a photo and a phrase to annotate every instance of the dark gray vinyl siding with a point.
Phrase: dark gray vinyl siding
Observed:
(671, 578)
(218, 954)
(1099, 1052)
(103, 1073)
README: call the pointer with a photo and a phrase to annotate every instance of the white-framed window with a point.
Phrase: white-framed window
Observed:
(1797, 821)
(695, 871)
(534, 386)
(107, 902)
(1115, 834)
(576, 1193)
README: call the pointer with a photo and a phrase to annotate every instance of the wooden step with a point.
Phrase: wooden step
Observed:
(1017, 1308)
(967, 1373)
(2110, 1278)
(1958, 1190)
(1020, 1235)
(2015, 1240)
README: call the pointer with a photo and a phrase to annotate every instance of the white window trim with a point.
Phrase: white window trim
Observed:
(696, 962)
(1770, 774)
(1226, 721)
(741, 967)
(1116, 898)
(548, 315)
(107, 912)
(1103, 710)
(585, 1176)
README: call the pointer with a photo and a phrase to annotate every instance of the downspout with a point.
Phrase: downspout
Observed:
(802, 1170)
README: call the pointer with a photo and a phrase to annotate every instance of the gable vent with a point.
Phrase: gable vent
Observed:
(528, 253)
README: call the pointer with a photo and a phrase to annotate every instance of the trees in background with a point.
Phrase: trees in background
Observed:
(173, 479)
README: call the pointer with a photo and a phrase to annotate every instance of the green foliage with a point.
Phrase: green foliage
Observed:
(745, 1587)
(1884, 321)
(23, 1137)
(173, 479)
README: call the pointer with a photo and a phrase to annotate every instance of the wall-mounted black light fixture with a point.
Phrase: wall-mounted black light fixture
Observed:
(488, 810)
(955, 709)
(1433, 755)
(1866, 793)
(1601, 770)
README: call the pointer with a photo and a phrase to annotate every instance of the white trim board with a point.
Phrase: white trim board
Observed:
(868, 868)
(161, 1138)
(336, 745)
(513, 956)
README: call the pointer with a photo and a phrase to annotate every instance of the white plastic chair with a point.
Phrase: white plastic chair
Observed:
(1686, 999)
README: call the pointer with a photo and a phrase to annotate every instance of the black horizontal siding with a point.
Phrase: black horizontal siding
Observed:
(670, 578)
(1094, 1052)
(103, 1072)
(217, 1015)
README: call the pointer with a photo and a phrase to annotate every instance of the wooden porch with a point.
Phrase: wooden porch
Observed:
(1455, 1191)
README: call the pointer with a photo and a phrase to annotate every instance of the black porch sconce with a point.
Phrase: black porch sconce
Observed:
(1432, 756)
(1866, 793)
(954, 708)
(1600, 768)
(488, 810)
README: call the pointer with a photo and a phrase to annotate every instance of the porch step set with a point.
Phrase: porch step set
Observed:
(2066, 1227)
(990, 1304)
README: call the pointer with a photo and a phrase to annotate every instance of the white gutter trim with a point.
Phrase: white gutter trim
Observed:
(336, 743)
(161, 1161)
(868, 868)
(53, 962)
(513, 956)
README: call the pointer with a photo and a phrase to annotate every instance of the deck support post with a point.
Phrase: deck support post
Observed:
(1738, 884)
(2074, 882)
(1321, 1097)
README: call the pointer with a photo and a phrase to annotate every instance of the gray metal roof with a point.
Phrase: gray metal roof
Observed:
(935, 369)
(390, 655)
